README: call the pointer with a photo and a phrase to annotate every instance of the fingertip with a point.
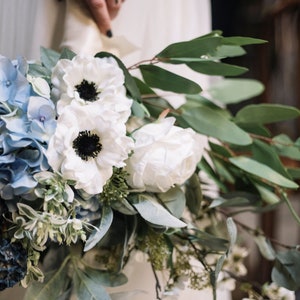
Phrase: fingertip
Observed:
(109, 33)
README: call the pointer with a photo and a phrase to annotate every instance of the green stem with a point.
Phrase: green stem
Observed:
(290, 207)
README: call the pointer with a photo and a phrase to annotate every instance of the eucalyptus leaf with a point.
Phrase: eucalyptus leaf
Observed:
(235, 199)
(242, 41)
(267, 195)
(223, 171)
(174, 200)
(66, 53)
(204, 166)
(286, 270)
(160, 78)
(229, 91)
(49, 57)
(286, 147)
(255, 168)
(37, 70)
(219, 265)
(124, 207)
(215, 68)
(106, 278)
(86, 287)
(266, 154)
(99, 233)
(209, 122)
(193, 194)
(53, 287)
(265, 247)
(155, 213)
(232, 231)
(208, 240)
(229, 51)
(193, 48)
(266, 113)
(295, 173)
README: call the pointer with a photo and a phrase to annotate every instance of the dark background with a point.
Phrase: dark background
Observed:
(277, 65)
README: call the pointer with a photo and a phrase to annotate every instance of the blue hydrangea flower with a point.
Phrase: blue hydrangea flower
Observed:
(14, 87)
(27, 122)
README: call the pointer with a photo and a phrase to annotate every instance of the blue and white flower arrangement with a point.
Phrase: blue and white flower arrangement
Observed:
(95, 164)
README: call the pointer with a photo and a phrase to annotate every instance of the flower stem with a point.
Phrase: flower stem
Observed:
(291, 209)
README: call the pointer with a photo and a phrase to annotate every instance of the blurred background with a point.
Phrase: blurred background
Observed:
(277, 65)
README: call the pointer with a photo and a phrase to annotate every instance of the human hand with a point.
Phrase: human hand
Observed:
(103, 12)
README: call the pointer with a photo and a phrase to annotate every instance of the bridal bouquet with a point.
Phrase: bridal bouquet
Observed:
(96, 164)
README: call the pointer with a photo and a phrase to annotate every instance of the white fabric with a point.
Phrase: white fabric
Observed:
(142, 28)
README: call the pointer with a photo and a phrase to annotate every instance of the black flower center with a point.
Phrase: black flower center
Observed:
(87, 145)
(87, 90)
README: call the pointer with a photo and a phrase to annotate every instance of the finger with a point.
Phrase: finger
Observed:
(113, 7)
(101, 15)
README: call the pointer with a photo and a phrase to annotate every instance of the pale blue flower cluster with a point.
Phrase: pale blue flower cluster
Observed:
(27, 121)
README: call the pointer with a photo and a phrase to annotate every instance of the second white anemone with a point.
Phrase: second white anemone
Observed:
(87, 145)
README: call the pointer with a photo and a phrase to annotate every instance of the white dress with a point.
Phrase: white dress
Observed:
(142, 28)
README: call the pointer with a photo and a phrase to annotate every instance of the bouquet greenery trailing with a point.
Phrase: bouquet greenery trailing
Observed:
(96, 164)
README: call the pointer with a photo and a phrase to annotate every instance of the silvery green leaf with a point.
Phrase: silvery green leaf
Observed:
(155, 213)
(87, 288)
(193, 194)
(106, 278)
(219, 265)
(49, 57)
(286, 271)
(53, 286)
(265, 247)
(258, 169)
(123, 207)
(67, 54)
(174, 200)
(98, 233)
(267, 195)
(230, 91)
(232, 231)
(266, 113)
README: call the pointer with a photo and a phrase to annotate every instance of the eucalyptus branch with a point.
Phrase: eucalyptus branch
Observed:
(270, 140)
(291, 209)
(153, 96)
(157, 284)
(151, 61)
(253, 231)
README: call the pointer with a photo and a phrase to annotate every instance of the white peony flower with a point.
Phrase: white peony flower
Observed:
(87, 79)
(87, 144)
(164, 155)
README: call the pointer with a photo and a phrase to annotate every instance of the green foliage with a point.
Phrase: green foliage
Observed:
(260, 170)
(157, 77)
(98, 233)
(286, 271)
(210, 122)
(266, 113)
(230, 91)
(150, 210)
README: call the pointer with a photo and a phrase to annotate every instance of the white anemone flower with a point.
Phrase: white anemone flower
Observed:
(86, 79)
(87, 145)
